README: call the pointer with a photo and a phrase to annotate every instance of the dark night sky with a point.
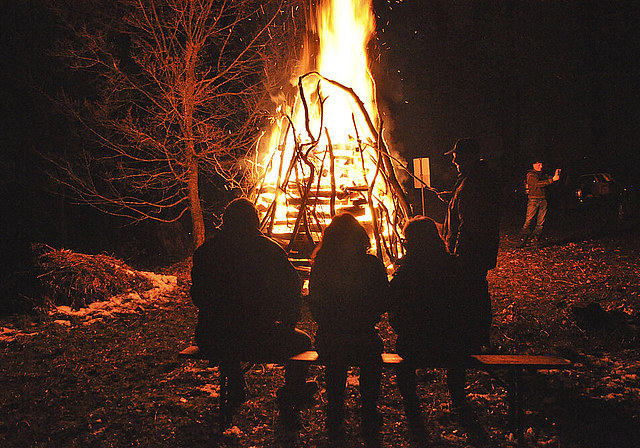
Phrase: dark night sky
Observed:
(560, 79)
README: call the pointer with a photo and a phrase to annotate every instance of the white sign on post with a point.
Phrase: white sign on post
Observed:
(422, 171)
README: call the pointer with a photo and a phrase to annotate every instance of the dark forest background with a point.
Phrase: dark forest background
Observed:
(553, 79)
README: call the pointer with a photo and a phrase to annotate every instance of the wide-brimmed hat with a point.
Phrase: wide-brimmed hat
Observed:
(465, 146)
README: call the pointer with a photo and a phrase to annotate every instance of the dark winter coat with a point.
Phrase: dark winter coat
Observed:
(423, 310)
(347, 298)
(536, 183)
(471, 227)
(243, 285)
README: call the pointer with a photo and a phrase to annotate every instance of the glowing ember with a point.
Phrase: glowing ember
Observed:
(325, 154)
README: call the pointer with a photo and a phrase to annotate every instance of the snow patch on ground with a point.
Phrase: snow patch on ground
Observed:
(8, 334)
(128, 303)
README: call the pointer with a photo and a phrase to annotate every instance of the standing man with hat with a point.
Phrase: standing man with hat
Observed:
(471, 234)
(536, 183)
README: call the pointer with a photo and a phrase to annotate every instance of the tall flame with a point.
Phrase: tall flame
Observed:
(345, 28)
(325, 154)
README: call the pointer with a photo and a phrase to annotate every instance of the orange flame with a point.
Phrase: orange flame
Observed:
(324, 154)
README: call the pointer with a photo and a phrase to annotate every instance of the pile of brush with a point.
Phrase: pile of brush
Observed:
(76, 280)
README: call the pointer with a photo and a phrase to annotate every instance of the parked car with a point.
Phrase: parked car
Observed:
(600, 192)
(599, 186)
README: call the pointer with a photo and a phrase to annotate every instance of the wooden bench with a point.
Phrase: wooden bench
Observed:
(514, 365)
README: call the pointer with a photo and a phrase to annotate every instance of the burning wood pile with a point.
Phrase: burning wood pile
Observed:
(326, 154)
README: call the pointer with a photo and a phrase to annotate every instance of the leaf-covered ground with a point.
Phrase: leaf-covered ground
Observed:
(112, 378)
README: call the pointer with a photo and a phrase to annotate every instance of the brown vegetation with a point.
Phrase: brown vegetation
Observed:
(74, 279)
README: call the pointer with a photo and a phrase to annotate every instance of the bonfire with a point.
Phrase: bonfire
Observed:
(326, 153)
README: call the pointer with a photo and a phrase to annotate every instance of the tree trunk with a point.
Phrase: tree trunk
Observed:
(197, 218)
(188, 100)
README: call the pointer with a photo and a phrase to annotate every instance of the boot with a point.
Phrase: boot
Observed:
(334, 421)
(300, 396)
(413, 413)
(290, 400)
(371, 425)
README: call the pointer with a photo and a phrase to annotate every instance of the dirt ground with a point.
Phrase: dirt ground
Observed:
(117, 381)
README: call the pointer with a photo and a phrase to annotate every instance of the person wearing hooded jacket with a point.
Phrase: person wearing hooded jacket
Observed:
(423, 312)
(348, 290)
(248, 298)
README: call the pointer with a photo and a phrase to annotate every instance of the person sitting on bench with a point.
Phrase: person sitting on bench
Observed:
(348, 290)
(248, 298)
(422, 313)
